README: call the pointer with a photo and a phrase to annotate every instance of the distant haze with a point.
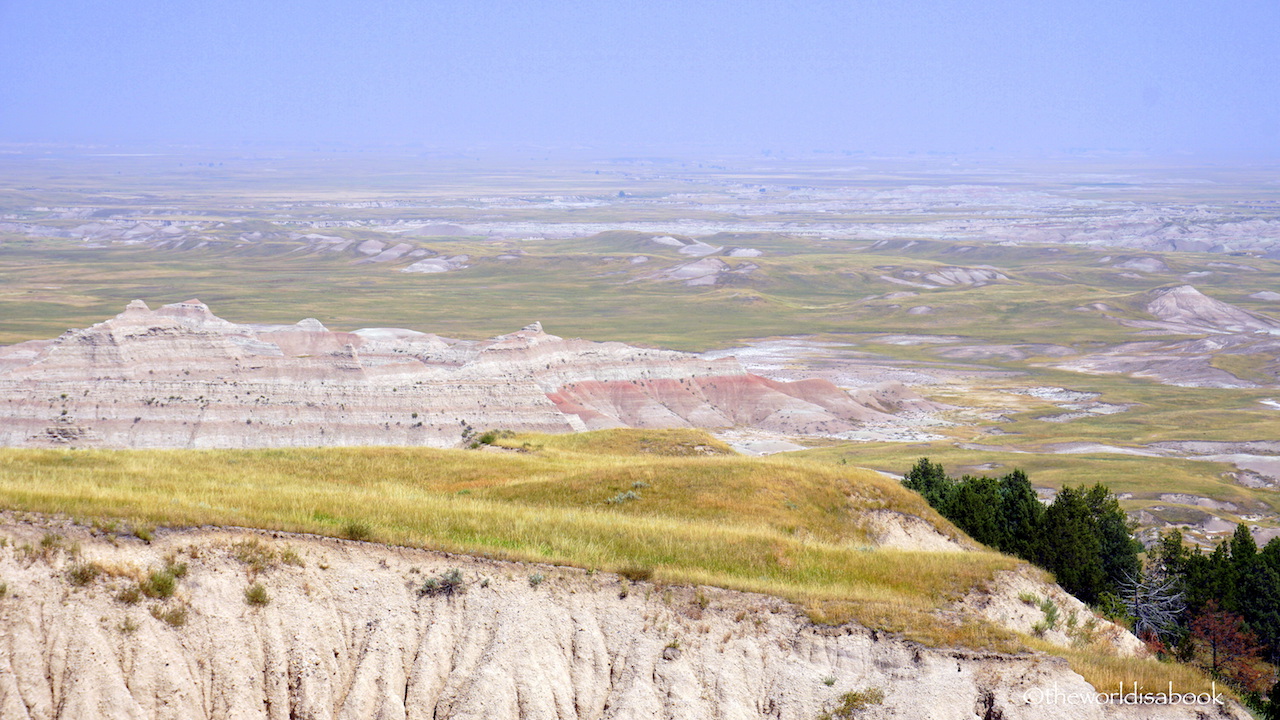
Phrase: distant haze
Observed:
(1162, 76)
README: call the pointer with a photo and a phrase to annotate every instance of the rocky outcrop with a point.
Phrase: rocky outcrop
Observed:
(707, 271)
(1143, 264)
(180, 376)
(976, 276)
(1228, 330)
(1186, 309)
(439, 265)
(941, 277)
(344, 630)
(806, 406)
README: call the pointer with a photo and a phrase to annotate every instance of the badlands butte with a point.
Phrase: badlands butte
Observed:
(181, 377)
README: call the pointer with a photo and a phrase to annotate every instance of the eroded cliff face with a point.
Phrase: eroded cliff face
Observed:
(180, 376)
(346, 633)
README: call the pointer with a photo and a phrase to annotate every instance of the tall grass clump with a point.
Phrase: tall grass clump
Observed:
(160, 584)
(256, 595)
(83, 573)
(357, 530)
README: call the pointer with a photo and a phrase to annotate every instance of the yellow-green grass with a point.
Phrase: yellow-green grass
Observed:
(786, 527)
(673, 442)
(582, 287)
(1251, 367)
(1157, 412)
(782, 526)
(1106, 672)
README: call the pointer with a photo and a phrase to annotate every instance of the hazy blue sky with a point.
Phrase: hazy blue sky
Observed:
(1020, 75)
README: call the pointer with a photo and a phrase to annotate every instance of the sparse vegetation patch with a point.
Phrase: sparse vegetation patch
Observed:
(160, 584)
(256, 595)
(255, 554)
(853, 702)
(357, 530)
(81, 574)
(445, 584)
(175, 616)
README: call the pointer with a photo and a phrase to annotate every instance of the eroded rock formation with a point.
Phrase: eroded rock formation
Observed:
(1187, 310)
(342, 630)
(180, 376)
(1224, 331)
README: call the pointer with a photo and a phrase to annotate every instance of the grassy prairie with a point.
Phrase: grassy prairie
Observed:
(1026, 436)
(1156, 413)
(783, 526)
(587, 288)
(786, 527)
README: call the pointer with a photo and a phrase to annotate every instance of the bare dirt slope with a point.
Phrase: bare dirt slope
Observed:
(346, 634)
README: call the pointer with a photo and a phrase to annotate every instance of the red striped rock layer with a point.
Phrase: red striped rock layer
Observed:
(804, 407)
(180, 376)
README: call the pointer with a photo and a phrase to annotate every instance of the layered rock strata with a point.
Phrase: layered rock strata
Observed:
(179, 376)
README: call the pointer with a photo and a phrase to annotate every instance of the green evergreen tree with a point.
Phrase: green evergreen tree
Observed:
(1260, 605)
(1269, 558)
(1197, 576)
(1069, 546)
(1169, 556)
(931, 481)
(1223, 582)
(1256, 588)
(1244, 551)
(1270, 555)
(975, 508)
(1021, 515)
(1119, 550)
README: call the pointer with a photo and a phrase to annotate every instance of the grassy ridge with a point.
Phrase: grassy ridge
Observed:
(784, 526)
